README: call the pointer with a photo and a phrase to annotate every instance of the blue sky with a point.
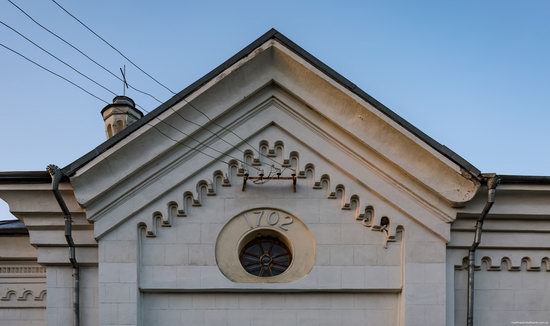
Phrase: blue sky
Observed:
(474, 75)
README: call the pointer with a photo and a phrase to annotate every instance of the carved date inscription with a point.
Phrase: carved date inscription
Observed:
(262, 217)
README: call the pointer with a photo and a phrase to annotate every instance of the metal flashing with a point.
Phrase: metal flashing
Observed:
(24, 177)
(525, 179)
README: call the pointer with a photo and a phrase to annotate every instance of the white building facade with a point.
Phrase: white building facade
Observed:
(272, 191)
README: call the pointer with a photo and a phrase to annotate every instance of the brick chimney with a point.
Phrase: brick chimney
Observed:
(119, 115)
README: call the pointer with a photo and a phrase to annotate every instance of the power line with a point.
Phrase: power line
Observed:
(114, 48)
(48, 70)
(203, 143)
(80, 51)
(58, 59)
(135, 65)
(242, 139)
(162, 121)
(210, 131)
(192, 148)
(113, 74)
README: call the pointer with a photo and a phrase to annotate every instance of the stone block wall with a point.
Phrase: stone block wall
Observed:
(160, 264)
(506, 291)
(288, 309)
(60, 296)
(23, 293)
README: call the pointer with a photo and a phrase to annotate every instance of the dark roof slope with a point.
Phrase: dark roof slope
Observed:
(271, 34)
(12, 227)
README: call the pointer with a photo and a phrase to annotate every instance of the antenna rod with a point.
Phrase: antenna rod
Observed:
(124, 82)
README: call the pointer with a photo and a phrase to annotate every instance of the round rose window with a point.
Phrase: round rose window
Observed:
(265, 256)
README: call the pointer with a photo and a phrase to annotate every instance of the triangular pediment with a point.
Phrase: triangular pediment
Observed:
(273, 94)
(272, 116)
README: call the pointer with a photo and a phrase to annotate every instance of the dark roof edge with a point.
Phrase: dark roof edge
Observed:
(524, 179)
(70, 169)
(10, 227)
(22, 177)
(378, 105)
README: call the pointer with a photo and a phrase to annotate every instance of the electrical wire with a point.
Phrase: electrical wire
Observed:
(229, 130)
(114, 48)
(203, 143)
(107, 89)
(143, 71)
(204, 128)
(81, 52)
(117, 77)
(58, 59)
(162, 121)
(48, 70)
(130, 86)
(181, 143)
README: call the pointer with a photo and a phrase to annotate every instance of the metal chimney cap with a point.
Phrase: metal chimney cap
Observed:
(121, 101)
(124, 100)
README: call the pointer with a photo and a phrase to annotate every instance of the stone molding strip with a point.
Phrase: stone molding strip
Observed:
(505, 263)
(22, 270)
(25, 295)
(204, 188)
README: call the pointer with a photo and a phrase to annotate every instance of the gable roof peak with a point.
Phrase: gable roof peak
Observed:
(273, 33)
